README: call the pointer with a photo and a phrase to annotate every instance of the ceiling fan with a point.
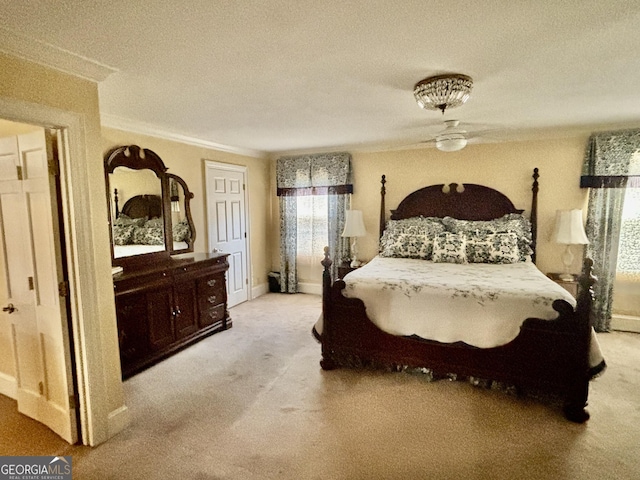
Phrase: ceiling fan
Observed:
(452, 138)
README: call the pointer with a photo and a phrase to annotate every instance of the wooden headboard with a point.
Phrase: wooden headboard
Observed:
(140, 206)
(465, 202)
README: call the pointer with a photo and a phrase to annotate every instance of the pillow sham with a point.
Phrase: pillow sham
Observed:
(512, 222)
(407, 245)
(484, 247)
(123, 234)
(154, 222)
(416, 225)
(148, 235)
(420, 231)
(181, 231)
(123, 220)
(504, 248)
(449, 248)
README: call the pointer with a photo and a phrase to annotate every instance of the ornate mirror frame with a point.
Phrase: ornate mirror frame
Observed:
(136, 158)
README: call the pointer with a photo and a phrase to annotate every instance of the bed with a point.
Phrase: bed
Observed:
(139, 228)
(481, 310)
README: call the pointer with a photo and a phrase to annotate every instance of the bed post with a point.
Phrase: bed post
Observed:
(326, 363)
(574, 408)
(534, 213)
(383, 191)
(115, 196)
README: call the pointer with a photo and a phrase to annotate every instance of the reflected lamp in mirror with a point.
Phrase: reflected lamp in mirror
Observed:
(569, 231)
(175, 197)
(354, 228)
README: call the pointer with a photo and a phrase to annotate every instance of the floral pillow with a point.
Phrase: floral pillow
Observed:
(123, 234)
(154, 222)
(148, 235)
(420, 230)
(504, 248)
(124, 220)
(181, 231)
(407, 245)
(512, 222)
(416, 225)
(450, 248)
(492, 247)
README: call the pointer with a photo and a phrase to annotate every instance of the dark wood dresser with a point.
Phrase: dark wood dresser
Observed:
(169, 305)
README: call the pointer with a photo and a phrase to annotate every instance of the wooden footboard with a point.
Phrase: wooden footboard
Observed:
(549, 356)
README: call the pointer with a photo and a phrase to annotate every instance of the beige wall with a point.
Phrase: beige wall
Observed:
(506, 167)
(40, 90)
(187, 161)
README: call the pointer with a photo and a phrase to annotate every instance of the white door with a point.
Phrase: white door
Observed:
(30, 236)
(227, 225)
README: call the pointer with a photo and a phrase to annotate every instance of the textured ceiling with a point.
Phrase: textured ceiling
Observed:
(268, 76)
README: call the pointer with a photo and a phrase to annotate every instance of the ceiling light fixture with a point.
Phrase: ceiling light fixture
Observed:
(451, 143)
(452, 138)
(443, 91)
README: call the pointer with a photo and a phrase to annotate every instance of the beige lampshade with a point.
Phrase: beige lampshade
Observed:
(569, 229)
(354, 224)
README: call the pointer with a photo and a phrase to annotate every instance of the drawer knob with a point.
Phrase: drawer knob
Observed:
(211, 282)
(211, 299)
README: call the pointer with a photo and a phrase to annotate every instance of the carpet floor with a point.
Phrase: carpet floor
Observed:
(253, 403)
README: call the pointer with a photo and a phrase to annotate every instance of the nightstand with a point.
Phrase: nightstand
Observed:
(344, 268)
(570, 285)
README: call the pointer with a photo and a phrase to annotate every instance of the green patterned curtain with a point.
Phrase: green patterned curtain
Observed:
(321, 174)
(612, 163)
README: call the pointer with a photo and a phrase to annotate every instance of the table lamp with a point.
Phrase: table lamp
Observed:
(354, 228)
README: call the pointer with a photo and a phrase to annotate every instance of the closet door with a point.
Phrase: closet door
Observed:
(30, 237)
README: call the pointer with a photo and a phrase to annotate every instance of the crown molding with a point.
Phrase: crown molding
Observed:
(119, 123)
(48, 55)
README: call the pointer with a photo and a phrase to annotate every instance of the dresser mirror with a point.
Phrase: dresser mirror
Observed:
(149, 213)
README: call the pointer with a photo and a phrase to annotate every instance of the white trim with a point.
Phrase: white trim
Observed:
(625, 323)
(50, 56)
(134, 126)
(118, 420)
(259, 290)
(312, 288)
(209, 164)
(8, 385)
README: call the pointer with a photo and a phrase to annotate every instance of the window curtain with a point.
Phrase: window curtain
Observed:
(321, 174)
(611, 164)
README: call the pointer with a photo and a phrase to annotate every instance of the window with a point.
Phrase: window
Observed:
(629, 247)
(313, 235)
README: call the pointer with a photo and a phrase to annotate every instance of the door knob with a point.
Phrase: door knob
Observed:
(9, 308)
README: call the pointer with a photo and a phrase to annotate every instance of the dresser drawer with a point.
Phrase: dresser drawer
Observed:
(212, 315)
(211, 291)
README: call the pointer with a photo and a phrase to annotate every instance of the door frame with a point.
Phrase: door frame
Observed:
(210, 164)
(97, 421)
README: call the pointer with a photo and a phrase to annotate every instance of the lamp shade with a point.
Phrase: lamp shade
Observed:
(569, 229)
(354, 224)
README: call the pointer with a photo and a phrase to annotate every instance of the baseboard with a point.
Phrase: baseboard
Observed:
(313, 288)
(259, 290)
(118, 420)
(8, 386)
(625, 323)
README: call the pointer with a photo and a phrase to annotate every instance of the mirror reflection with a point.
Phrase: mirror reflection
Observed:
(179, 221)
(138, 225)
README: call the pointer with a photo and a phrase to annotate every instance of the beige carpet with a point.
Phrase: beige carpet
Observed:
(252, 403)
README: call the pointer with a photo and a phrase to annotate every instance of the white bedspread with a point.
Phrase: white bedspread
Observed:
(136, 249)
(480, 304)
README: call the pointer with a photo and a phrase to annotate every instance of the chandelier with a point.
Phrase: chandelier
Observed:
(443, 91)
